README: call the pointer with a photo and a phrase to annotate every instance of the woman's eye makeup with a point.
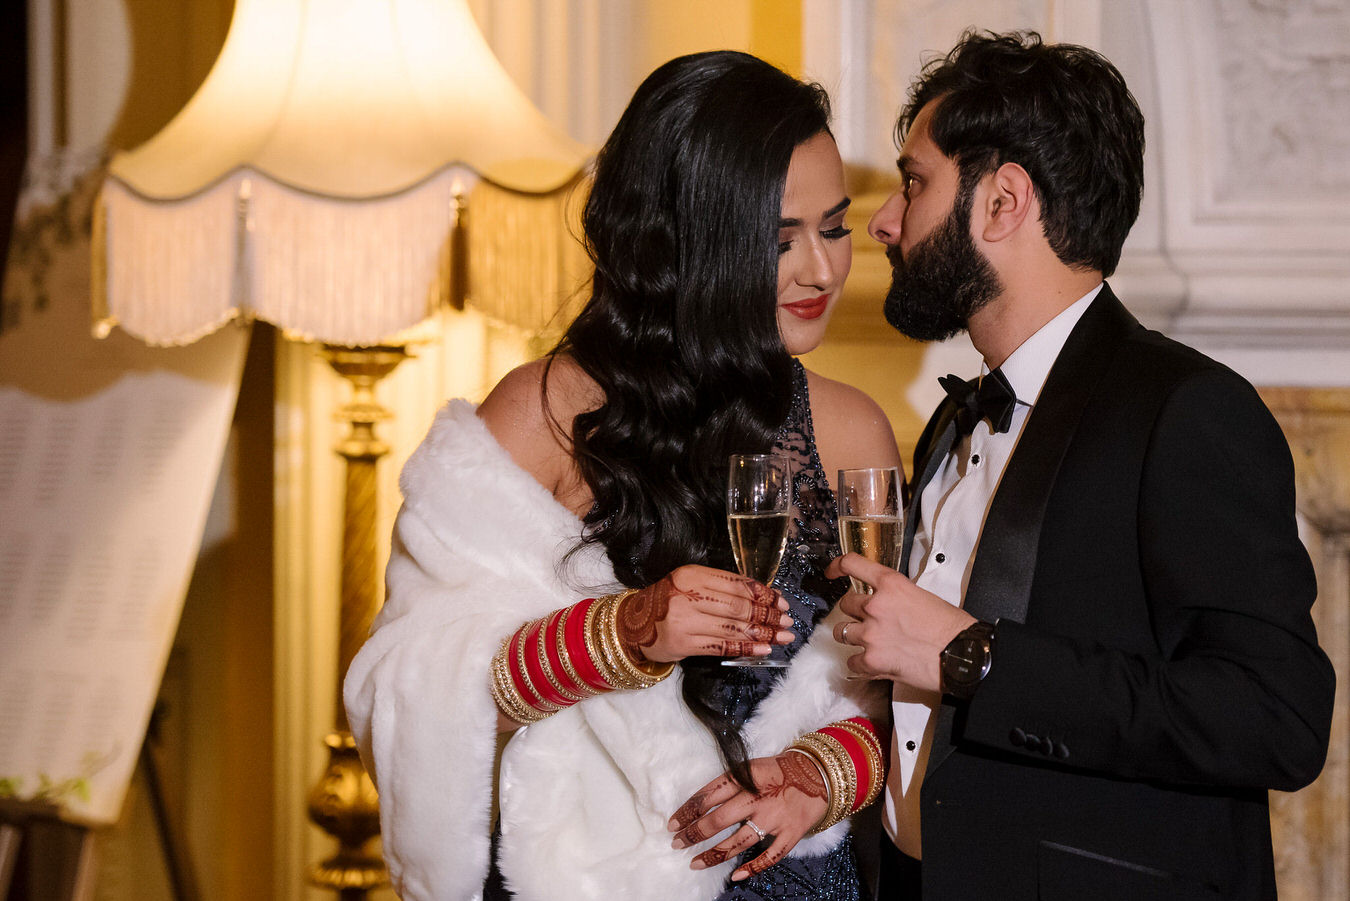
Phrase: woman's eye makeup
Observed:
(789, 227)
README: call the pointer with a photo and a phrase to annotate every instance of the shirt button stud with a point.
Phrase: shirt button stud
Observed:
(941, 558)
(975, 459)
(909, 746)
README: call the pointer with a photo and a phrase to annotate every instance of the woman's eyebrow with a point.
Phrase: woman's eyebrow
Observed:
(832, 211)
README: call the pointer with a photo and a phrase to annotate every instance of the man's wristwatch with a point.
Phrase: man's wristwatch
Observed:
(967, 659)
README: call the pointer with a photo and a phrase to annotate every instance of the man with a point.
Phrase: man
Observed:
(1103, 655)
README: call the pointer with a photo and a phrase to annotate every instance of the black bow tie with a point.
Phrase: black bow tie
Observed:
(994, 400)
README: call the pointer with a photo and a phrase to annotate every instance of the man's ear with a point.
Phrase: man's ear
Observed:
(1007, 202)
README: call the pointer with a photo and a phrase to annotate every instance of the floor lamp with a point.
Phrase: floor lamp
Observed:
(322, 179)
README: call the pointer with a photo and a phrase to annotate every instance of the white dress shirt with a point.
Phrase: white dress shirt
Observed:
(952, 512)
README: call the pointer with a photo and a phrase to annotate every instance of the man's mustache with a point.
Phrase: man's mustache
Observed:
(893, 254)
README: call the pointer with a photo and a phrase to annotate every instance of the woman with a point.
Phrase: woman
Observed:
(716, 225)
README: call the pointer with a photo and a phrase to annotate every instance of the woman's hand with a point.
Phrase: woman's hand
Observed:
(700, 611)
(792, 798)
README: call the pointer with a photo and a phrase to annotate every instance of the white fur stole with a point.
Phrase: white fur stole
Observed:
(585, 795)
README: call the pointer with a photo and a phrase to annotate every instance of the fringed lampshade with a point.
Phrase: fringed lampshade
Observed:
(317, 177)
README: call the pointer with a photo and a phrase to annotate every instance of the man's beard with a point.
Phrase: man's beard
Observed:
(944, 282)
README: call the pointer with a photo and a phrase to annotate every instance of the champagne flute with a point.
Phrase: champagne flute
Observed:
(871, 519)
(759, 498)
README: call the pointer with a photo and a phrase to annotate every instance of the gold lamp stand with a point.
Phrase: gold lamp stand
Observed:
(344, 802)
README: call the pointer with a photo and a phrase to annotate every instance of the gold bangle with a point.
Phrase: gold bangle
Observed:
(590, 633)
(504, 692)
(604, 652)
(838, 771)
(617, 667)
(642, 675)
(546, 665)
(509, 698)
(824, 777)
(871, 746)
(834, 808)
(846, 766)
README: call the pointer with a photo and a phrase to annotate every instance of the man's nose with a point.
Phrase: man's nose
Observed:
(884, 226)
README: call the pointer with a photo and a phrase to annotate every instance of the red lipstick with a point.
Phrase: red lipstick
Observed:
(811, 308)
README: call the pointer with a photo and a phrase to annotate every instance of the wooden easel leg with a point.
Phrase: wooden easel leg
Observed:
(10, 837)
(171, 835)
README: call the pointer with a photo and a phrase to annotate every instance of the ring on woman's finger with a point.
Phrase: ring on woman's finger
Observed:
(758, 831)
(843, 633)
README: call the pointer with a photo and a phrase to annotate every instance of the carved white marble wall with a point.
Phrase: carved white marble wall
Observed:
(1243, 244)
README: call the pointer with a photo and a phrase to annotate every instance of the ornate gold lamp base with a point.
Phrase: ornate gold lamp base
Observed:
(344, 803)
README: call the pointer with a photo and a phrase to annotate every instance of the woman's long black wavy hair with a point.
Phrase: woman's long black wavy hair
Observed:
(680, 331)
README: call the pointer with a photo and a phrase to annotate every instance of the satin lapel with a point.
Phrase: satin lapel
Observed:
(1005, 558)
(944, 427)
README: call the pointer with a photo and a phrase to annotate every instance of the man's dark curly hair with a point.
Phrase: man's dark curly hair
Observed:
(1060, 111)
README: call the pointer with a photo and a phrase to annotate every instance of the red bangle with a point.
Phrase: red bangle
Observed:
(536, 671)
(864, 722)
(553, 631)
(877, 749)
(523, 683)
(851, 745)
(574, 634)
(881, 743)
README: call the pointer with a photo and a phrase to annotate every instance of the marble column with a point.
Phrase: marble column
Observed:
(1312, 826)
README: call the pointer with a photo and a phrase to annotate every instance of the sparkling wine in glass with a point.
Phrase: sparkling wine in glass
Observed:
(871, 518)
(759, 498)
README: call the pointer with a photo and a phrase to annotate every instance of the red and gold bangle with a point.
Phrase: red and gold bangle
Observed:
(557, 663)
(520, 674)
(875, 753)
(536, 667)
(852, 745)
(574, 653)
(576, 634)
(850, 757)
(504, 693)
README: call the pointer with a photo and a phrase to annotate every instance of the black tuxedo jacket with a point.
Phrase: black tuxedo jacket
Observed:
(1156, 668)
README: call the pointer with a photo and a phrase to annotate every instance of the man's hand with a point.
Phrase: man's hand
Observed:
(900, 628)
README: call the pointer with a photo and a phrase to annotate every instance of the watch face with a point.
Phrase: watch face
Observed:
(965, 661)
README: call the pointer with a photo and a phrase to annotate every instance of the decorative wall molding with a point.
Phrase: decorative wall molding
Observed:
(1255, 195)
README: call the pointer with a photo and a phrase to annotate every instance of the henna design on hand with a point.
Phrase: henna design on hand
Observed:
(765, 616)
(737, 649)
(713, 857)
(764, 861)
(762, 594)
(692, 809)
(763, 634)
(798, 774)
(640, 614)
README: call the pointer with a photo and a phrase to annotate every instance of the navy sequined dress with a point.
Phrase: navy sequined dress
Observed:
(813, 540)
